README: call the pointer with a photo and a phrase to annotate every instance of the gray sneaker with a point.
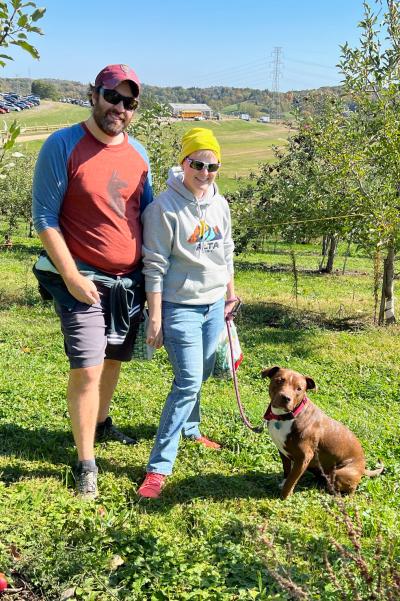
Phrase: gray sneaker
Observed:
(107, 431)
(86, 484)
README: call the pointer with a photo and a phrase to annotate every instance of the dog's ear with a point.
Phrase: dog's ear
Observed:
(269, 372)
(311, 385)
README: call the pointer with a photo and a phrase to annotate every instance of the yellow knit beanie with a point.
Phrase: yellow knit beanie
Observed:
(199, 138)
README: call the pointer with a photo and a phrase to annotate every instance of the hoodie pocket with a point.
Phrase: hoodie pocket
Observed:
(203, 282)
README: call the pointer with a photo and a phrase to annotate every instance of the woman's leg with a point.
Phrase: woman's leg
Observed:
(211, 329)
(183, 340)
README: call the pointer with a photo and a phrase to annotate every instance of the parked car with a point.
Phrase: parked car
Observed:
(12, 107)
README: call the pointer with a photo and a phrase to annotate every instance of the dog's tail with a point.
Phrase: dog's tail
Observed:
(373, 473)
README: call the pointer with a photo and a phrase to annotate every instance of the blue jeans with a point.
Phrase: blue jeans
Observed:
(190, 338)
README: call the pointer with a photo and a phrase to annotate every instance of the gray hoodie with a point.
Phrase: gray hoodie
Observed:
(187, 244)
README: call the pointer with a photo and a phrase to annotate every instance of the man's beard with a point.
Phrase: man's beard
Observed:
(107, 124)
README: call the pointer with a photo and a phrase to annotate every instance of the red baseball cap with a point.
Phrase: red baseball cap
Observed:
(112, 75)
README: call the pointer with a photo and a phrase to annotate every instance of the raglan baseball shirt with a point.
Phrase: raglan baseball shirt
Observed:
(94, 193)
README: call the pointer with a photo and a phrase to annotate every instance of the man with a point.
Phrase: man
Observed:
(90, 186)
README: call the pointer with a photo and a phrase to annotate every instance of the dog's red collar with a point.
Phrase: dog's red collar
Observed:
(269, 415)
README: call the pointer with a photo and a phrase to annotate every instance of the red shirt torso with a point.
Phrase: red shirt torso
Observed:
(100, 214)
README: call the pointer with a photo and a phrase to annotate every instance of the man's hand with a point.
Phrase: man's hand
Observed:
(154, 334)
(83, 289)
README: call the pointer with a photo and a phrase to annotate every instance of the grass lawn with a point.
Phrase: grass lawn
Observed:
(48, 113)
(220, 531)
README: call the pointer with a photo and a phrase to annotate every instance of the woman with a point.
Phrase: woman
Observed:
(188, 267)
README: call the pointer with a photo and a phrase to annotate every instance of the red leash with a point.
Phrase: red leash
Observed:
(230, 317)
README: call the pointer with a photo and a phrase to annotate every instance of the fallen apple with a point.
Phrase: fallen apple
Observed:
(3, 582)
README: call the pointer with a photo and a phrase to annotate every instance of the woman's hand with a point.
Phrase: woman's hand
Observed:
(154, 331)
(229, 305)
(154, 334)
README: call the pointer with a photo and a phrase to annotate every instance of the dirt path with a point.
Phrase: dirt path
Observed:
(43, 136)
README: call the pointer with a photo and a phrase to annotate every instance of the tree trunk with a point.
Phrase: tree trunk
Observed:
(386, 312)
(324, 250)
(333, 242)
(324, 245)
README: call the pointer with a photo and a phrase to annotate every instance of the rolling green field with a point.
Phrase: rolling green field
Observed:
(220, 531)
(48, 113)
(244, 144)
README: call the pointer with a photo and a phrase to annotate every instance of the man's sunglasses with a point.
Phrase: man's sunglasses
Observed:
(199, 165)
(113, 97)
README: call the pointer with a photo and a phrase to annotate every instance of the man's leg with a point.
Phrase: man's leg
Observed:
(105, 429)
(108, 383)
(83, 406)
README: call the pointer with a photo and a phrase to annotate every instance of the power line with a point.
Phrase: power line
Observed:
(241, 70)
(311, 64)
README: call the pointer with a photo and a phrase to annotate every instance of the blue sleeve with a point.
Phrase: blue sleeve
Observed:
(50, 179)
(147, 194)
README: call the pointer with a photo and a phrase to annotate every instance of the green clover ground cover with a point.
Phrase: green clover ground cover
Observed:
(205, 538)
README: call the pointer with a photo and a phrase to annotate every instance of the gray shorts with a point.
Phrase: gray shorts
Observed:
(84, 331)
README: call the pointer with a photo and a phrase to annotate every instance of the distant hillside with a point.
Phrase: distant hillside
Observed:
(23, 86)
(220, 98)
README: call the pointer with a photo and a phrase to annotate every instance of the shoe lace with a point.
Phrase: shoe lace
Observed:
(153, 479)
(87, 482)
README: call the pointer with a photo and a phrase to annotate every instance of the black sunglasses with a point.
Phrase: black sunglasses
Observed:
(199, 165)
(113, 97)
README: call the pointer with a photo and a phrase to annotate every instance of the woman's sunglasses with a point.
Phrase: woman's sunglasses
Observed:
(130, 103)
(199, 165)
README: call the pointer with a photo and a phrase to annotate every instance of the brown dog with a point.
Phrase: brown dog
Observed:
(308, 439)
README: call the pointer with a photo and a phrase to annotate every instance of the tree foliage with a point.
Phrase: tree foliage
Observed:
(44, 89)
(16, 191)
(17, 23)
(340, 175)
(153, 129)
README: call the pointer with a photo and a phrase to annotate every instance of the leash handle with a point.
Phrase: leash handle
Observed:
(232, 314)
(246, 422)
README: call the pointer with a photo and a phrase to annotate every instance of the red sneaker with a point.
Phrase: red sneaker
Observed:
(206, 442)
(152, 485)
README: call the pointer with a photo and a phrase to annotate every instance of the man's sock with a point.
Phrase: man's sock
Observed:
(87, 465)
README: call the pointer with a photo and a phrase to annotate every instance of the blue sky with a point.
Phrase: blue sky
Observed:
(193, 43)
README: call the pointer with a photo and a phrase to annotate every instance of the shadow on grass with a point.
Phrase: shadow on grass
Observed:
(287, 268)
(28, 297)
(219, 487)
(216, 487)
(295, 324)
(22, 250)
(57, 447)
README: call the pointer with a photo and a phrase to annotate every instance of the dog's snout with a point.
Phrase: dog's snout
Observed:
(285, 398)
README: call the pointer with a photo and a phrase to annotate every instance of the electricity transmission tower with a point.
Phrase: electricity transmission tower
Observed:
(276, 74)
